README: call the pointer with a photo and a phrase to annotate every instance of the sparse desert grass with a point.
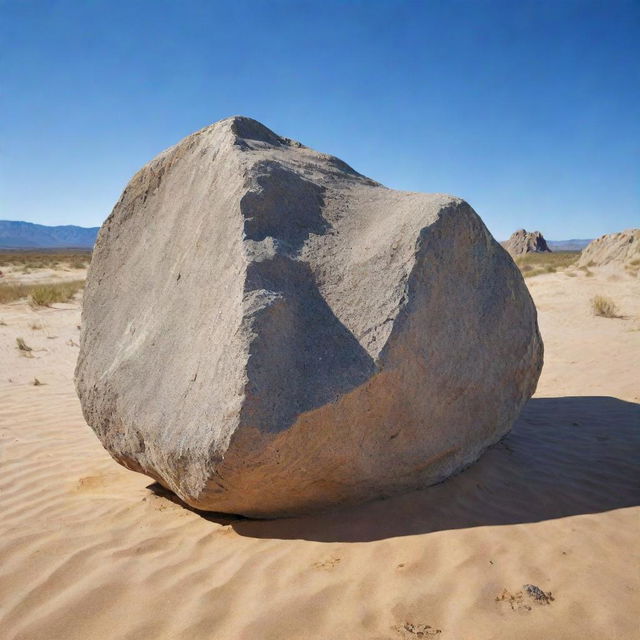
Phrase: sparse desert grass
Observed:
(22, 345)
(44, 295)
(40, 293)
(587, 272)
(28, 260)
(530, 273)
(534, 264)
(633, 267)
(605, 307)
(11, 292)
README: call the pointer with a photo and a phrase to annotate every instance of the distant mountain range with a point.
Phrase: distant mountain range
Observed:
(27, 235)
(568, 245)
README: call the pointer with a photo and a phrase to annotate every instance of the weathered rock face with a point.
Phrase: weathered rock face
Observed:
(621, 249)
(523, 241)
(268, 332)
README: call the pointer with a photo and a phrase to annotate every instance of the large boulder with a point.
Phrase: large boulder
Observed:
(523, 241)
(620, 249)
(268, 332)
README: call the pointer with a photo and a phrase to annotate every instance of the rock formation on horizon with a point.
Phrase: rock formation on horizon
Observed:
(622, 248)
(523, 241)
(268, 332)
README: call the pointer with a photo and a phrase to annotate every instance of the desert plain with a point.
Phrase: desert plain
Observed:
(89, 550)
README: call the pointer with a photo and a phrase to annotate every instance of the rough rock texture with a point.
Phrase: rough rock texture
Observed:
(621, 248)
(268, 332)
(523, 241)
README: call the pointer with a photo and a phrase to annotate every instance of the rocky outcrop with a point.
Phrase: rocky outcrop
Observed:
(523, 241)
(620, 249)
(268, 332)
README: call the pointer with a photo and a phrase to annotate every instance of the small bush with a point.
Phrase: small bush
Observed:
(605, 307)
(14, 291)
(531, 272)
(78, 263)
(11, 292)
(633, 267)
(47, 294)
(22, 345)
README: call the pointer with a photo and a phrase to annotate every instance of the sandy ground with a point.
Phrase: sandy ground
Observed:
(89, 550)
(17, 275)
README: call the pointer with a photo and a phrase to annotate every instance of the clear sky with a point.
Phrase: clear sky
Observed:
(530, 110)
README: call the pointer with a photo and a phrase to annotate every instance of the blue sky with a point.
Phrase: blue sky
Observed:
(528, 110)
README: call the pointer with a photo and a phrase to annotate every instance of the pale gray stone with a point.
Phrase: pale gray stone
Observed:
(620, 249)
(268, 332)
(523, 241)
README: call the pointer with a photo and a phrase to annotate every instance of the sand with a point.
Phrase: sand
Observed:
(13, 274)
(89, 550)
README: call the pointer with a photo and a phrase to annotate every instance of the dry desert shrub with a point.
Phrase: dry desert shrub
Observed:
(633, 267)
(11, 292)
(587, 272)
(79, 262)
(605, 307)
(47, 294)
(40, 294)
(22, 345)
(533, 272)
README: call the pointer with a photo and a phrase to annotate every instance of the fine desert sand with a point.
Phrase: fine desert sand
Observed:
(89, 550)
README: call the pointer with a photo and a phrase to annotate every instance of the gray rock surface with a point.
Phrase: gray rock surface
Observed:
(523, 241)
(620, 249)
(268, 332)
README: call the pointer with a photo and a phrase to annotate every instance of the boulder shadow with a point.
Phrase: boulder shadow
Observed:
(564, 457)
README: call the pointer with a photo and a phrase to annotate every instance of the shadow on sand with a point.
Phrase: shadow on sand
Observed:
(564, 457)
